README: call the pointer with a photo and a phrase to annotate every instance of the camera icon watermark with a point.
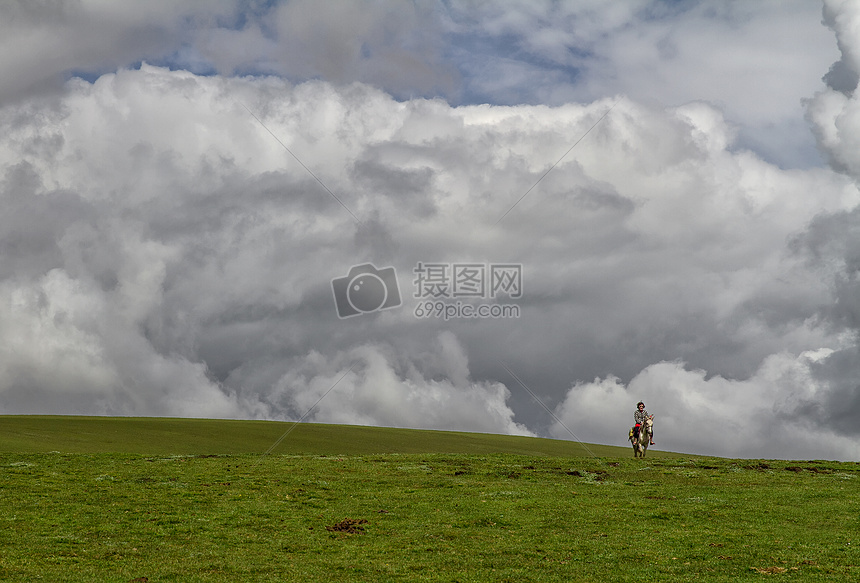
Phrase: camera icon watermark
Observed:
(365, 289)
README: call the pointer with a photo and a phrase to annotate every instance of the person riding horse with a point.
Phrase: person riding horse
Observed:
(639, 417)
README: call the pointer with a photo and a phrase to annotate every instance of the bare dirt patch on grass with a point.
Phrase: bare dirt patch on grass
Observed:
(348, 526)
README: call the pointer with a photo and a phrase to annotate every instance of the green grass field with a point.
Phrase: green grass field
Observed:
(32, 434)
(105, 499)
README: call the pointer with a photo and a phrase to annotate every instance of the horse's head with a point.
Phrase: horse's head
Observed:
(649, 422)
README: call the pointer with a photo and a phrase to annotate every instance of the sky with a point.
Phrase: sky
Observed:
(518, 217)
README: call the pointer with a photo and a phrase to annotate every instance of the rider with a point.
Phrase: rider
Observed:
(639, 417)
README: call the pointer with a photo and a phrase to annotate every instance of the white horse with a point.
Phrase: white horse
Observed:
(646, 432)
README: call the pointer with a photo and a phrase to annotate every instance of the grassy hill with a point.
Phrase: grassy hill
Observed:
(154, 500)
(152, 436)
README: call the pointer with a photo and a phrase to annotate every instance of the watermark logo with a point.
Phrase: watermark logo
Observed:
(365, 289)
(468, 280)
(441, 289)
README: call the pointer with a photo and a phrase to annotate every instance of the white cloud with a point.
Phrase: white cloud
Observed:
(755, 61)
(67, 351)
(158, 189)
(835, 111)
(384, 388)
(710, 415)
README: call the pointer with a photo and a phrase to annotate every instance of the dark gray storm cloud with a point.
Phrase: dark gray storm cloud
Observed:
(44, 42)
(830, 244)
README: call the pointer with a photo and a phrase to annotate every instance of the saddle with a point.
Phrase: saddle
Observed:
(634, 432)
